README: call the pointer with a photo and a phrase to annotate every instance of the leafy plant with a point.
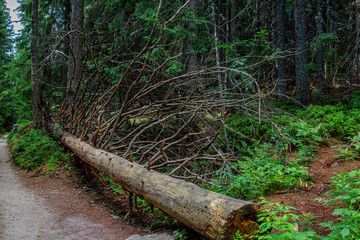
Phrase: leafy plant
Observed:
(112, 184)
(277, 222)
(346, 197)
(346, 154)
(279, 217)
(337, 120)
(263, 174)
(180, 235)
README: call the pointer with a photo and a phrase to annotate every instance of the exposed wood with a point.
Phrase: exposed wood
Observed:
(213, 215)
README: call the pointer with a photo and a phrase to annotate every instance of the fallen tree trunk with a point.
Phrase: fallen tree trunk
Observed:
(213, 215)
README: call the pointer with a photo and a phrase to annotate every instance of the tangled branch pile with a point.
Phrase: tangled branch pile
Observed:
(141, 107)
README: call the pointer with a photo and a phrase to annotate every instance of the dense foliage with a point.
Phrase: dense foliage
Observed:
(280, 218)
(31, 149)
(216, 92)
(7, 101)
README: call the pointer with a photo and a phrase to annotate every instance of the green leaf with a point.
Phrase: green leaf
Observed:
(345, 232)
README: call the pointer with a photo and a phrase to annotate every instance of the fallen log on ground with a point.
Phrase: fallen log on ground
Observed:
(213, 215)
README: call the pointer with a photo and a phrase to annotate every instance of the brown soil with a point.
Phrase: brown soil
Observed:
(325, 164)
(73, 206)
(56, 207)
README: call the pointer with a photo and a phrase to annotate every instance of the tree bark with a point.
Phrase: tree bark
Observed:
(218, 57)
(319, 48)
(64, 67)
(357, 46)
(281, 61)
(35, 85)
(213, 215)
(192, 62)
(302, 78)
(234, 20)
(76, 42)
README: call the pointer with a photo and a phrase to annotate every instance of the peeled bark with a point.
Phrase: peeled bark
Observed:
(213, 215)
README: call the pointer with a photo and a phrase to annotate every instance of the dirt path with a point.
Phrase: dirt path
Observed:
(35, 208)
(325, 164)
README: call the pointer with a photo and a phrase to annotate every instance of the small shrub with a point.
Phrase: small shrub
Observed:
(112, 184)
(346, 198)
(279, 217)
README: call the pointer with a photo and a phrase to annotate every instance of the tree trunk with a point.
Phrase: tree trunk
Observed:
(218, 57)
(192, 62)
(64, 67)
(35, 85)
(302, 78)
(213, 215)
(234, 21)
(319, 48)
(76, 42)
(281, 5)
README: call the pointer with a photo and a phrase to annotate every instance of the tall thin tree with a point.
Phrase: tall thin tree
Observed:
(35, 85)
(192, 62)
(64, 67)
(357, 46)
(301, 58)
(77, 42)
(319, 47)
(234, 21)
(281, 61)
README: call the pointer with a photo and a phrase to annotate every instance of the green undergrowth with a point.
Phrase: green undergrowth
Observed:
(275, 152)
(264, 174)
(279, 222)
(31, 148)
(263, 149)
(275, 155)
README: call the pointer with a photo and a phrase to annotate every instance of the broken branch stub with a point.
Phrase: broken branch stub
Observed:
(213, 215)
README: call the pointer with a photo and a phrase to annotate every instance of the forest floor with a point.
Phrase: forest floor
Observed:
(326, 163)
(61, 207)
(35, 207)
